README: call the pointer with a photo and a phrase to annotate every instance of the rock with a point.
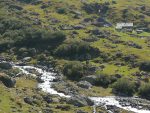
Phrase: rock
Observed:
(45, 6)
(80, 111)
(39, 80)
(28, 100)
(55, 100)
(101, 22)
(7, 81)
(76, 12)
(47, 110)
(80, 101)
(84, 84)
(54, 20)
(27, 59)
(37, 2)
(5, 65)
(66, 27)
(47, 98)
(63, 107)
(78, 27)
(2, 58)
(35, 13)
(118, 75)
(15, 7)
(91, 79)
(96, 32)
(134, 45)
(37, 22)
(88, 20)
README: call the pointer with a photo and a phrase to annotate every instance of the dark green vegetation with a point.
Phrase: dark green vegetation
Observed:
(80, 40)
(125, 87)
(145, 90)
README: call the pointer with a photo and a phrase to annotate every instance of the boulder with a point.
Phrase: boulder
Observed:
(63, 107)
(91, 79)
(66, 27)
(80, 111)
(47, 98)
(84, 84)
(26, 59)
(47, 110)
(55, 100)
(7, 81)
(80, 101)
(28, 100)
(5, 65)
(15, 7)
(39, 80)
(78, 27)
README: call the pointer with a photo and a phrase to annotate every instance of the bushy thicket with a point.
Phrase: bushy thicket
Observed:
(74, 70)
(124, 86)
(105, 80)
(77, 50)
(96, 8)
(144, 91)
(145, 66)
(15, 33)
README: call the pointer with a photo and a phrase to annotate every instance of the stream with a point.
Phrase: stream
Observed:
(46, 86)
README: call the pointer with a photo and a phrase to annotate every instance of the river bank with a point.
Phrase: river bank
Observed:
(132, 104)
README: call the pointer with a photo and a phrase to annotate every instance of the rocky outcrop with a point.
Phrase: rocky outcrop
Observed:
(7, 81)
(80, 101)
(5, 65)
(84, 84)
(91, 79)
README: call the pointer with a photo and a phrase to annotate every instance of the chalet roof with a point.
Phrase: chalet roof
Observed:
(121, 25)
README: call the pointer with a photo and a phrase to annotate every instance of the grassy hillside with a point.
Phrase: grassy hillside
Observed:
(73, 34)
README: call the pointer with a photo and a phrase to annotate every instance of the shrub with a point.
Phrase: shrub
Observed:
(61, 11)
(105, 80)
(144, 91)
(34, 37)
(95, 7)
(145, 66)
(74, 70)
(77, 50)
(124, 86)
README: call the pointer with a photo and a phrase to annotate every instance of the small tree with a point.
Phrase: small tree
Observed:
(124, 86)
(145, 66)
(74, 70)
(144, 91)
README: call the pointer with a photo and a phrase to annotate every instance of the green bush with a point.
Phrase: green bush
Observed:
(144, 91)
(40, 38)
(145, 66)
(105, 80)
(61, 10)
(74, 70)
(124, 86)
(77, 50)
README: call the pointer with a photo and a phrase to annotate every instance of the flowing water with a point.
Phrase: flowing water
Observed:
(46, 86)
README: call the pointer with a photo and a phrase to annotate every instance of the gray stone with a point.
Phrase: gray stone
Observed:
(28, 100)
(91, 79)
(39, 80)
(5, 65)
(7, 81)
(78, 27)
(27, 59)
(80, 101)
(84, 84)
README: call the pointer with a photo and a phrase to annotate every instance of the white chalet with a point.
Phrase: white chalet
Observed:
(124, 25)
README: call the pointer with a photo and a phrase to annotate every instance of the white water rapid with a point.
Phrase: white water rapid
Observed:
(47, 78)
(111, 100)
(46, 86)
